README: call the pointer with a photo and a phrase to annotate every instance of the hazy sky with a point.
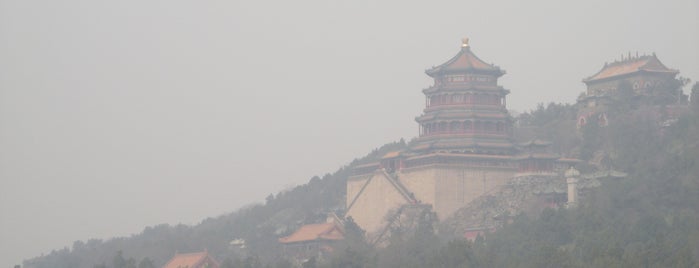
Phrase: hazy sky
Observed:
(117, 115)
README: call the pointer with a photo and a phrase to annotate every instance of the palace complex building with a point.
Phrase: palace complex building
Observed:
(643, 76)
(465, 149)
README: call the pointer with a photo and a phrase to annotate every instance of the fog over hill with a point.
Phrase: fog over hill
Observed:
(121, 115)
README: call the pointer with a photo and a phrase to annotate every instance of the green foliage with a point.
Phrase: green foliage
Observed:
(649, 219)
(592, 139)
(695, 98)
(552, 122)
(146, 263)
(548, 114)
(351, 257)
(354, 235)
(625, 99)
(457, 253)
(664, 93)
(354, 251)
(311, 263)
(376, 154)
(413, 247)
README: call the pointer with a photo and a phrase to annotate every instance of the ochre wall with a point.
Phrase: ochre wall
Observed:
(457, 186)
(354, 185)
(378, 198)
(421, 182)
(446, 187)
(637, 83)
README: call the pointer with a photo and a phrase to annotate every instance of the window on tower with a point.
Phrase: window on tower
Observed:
(455, 78)
(454, 127)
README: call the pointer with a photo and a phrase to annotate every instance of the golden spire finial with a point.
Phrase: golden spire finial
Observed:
(464, 42)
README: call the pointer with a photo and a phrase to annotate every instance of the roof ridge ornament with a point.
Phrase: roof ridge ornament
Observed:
(464, 42)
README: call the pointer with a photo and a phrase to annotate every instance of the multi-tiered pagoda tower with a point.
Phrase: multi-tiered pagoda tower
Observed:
(466, 109)
(464, 149)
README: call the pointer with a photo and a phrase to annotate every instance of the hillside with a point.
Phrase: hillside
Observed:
(648, 219)
(260, 225)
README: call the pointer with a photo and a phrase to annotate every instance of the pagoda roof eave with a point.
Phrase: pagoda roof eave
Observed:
(537, 156)
(572, 161)
(624, 68)
(535, 142)
(469, 156)
(592, 80)
(460, 145)
(392, 154)
(468, 139)
(460, 116)
(376, 163)
(314, 232)
(436, 71)
(475, 88)
(590, 97)
(465, 61)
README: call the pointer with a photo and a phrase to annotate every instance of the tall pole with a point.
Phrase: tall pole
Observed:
(571, 176)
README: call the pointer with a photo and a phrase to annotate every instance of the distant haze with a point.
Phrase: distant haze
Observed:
(117, 115)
